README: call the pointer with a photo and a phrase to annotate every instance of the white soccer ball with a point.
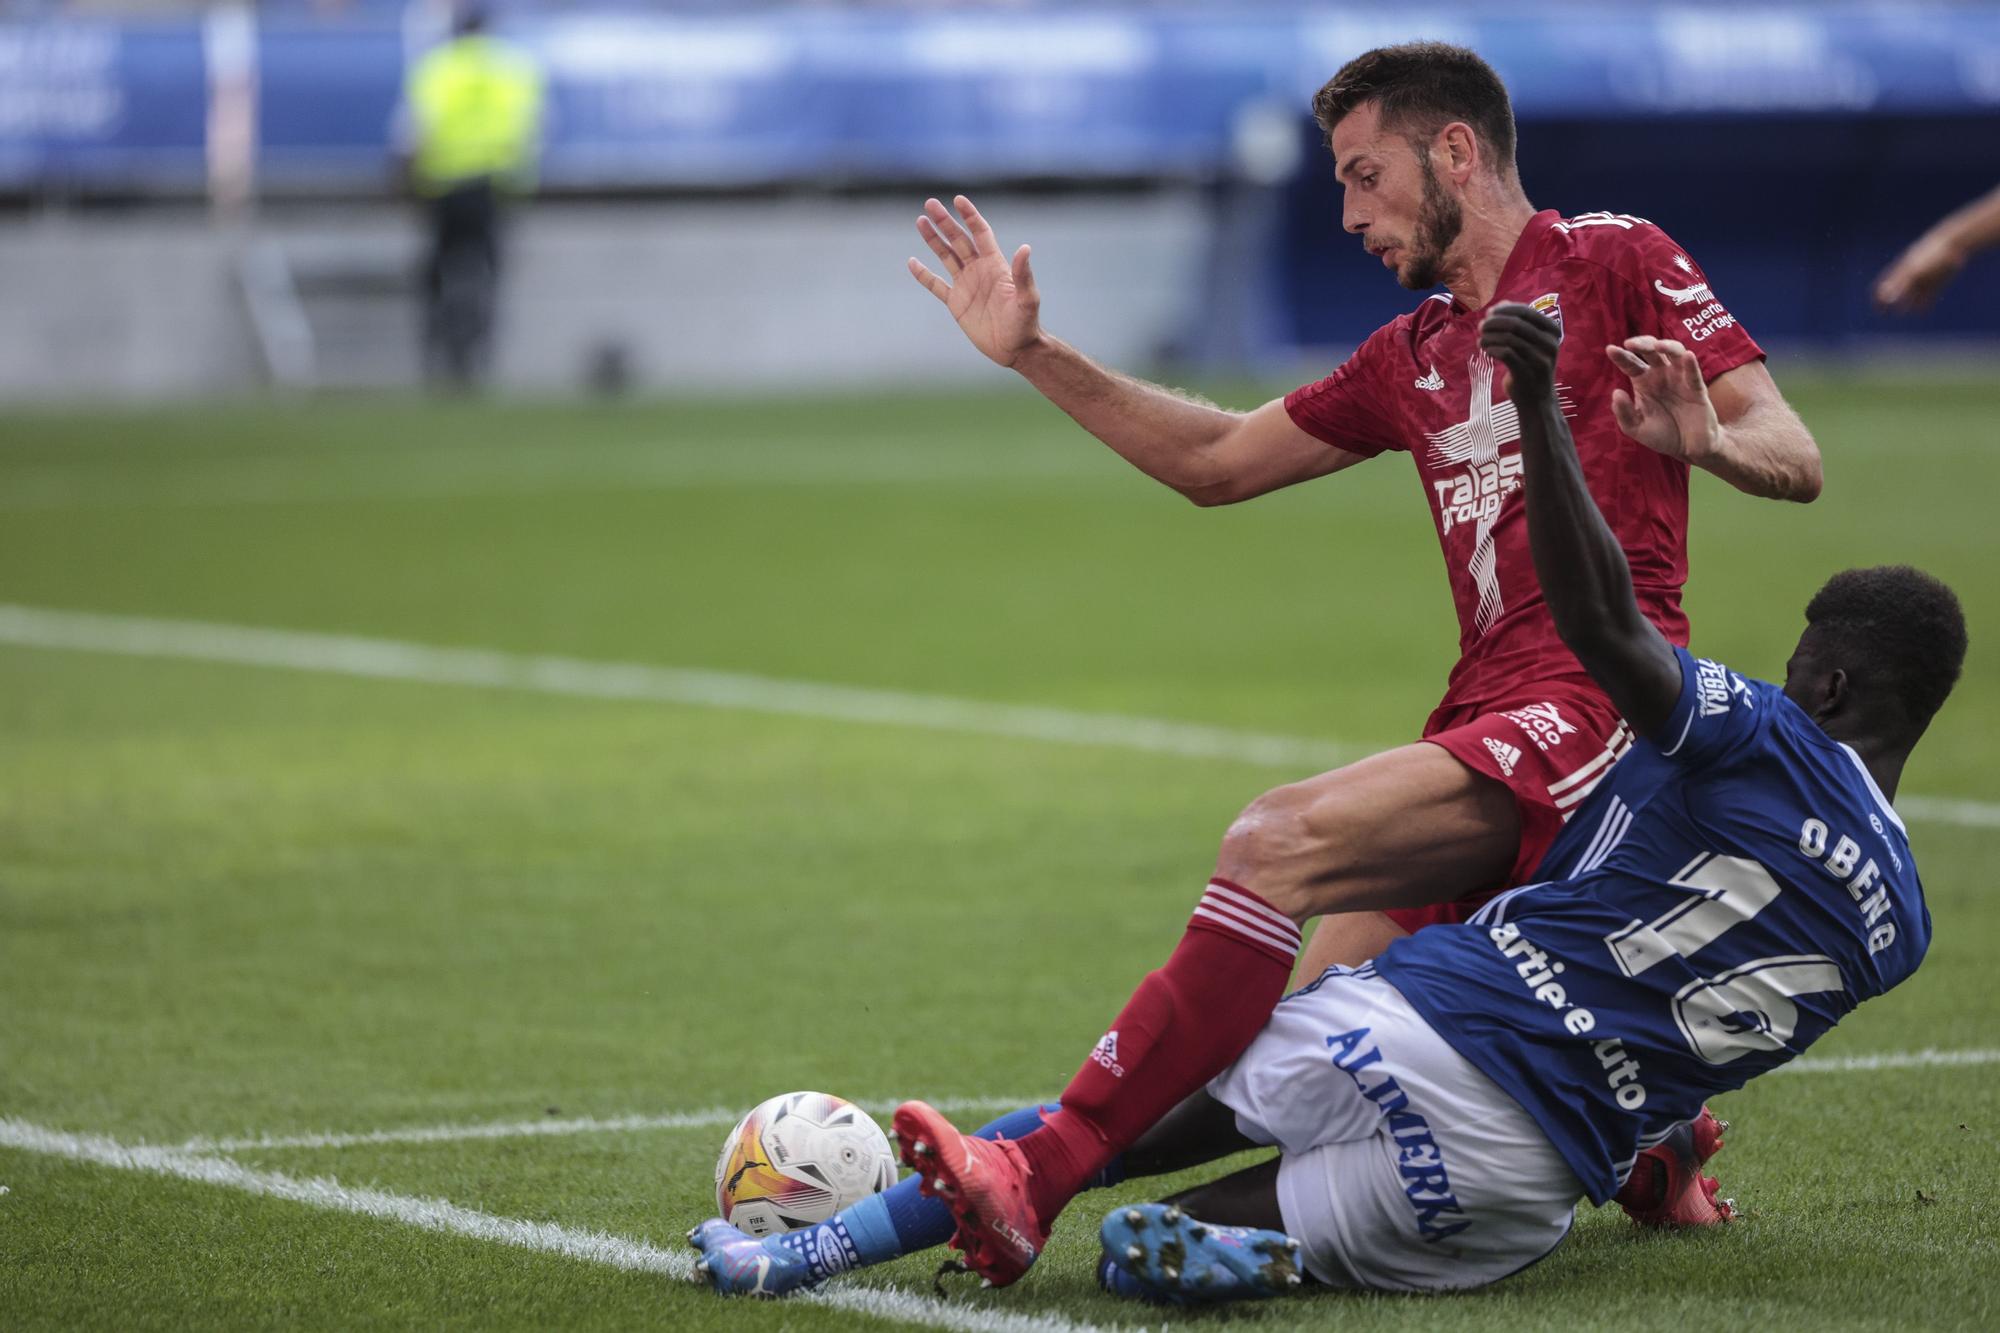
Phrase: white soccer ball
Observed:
(798, 1159)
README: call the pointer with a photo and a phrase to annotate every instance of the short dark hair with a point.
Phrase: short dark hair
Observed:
(1421, 87)
(1896, 630)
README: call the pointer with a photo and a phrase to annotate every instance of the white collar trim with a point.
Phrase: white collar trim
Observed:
(1874, 790)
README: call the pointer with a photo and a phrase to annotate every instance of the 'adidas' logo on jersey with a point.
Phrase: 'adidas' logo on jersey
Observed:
(1431, 382)
(1505, 755)
(1106, 1053)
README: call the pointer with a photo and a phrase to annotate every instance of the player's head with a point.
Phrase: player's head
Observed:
(1413, 130)
(1881, 650)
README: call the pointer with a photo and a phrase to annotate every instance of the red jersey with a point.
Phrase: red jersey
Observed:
(1420, 384)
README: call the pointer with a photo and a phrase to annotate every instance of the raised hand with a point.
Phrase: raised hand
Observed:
(1920, 273)
(1525, 341)
(994, 301)
(1668, 408)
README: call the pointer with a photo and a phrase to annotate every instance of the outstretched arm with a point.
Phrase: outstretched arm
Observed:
(1924, 270)
(1740, 427)
(1580, 565)
(1210, 455)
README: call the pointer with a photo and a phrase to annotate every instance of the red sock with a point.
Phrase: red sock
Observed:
(1180, 1029)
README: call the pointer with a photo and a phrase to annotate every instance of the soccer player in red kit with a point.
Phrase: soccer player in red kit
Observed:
(1654, 374)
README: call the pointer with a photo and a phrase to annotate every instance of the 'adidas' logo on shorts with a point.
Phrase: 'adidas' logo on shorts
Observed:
(1504, 754)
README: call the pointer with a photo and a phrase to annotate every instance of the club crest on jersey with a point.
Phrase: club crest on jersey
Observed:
(1549, 305)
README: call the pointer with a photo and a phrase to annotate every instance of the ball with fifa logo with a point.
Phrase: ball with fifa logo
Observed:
(798, 1159)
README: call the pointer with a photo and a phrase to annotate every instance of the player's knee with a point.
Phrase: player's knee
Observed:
(1268, 847)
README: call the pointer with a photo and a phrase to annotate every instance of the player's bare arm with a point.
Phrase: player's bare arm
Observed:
(1740, 427)
(1921, 273)
(1578, 561)
(1210, 455)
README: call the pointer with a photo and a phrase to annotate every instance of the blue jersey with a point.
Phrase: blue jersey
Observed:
(1734, 888)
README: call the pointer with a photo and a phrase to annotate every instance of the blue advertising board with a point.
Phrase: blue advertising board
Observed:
(103, 101)
(1793, 147)
(655, 99)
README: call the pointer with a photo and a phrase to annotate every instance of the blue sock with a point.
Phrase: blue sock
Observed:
(900, 1220)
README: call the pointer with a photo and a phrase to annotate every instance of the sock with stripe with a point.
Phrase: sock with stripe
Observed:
(901, 1219)
(1180, 1029)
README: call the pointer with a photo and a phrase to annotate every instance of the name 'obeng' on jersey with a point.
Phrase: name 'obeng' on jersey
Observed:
(1734, 888)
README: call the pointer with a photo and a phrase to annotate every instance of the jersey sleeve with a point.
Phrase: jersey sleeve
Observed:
(1675, 301)
(1349, 409)
(1717, 712)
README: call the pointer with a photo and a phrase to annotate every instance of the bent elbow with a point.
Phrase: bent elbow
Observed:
(1212, 494)
(1810, 483)
(1806, 466)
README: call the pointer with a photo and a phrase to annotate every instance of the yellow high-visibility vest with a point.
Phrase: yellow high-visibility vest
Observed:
(476, 107)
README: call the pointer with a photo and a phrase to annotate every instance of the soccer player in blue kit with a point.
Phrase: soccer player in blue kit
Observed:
(1738, 885)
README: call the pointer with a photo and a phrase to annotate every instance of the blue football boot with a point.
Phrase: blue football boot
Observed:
(1155, 1252)
(1111, 1276)
(739, 1265)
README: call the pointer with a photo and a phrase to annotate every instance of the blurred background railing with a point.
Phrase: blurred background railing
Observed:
(203, 199)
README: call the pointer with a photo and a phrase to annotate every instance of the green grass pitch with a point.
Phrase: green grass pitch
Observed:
(248, 902)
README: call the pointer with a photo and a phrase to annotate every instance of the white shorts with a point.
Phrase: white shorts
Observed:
(1404, 1168)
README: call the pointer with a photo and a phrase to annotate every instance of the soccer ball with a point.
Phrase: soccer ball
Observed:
(798, 1159)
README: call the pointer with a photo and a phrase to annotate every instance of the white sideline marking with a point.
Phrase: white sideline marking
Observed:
(713, 1118)
(547, 1237)
(1949, 810)
(716, 1117)
(390, 659)
(1928, 1058)
(500, 470)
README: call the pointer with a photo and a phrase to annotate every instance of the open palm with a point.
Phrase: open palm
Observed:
(1668, 408)
(994, 301)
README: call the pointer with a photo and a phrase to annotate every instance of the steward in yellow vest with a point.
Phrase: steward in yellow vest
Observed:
(476, 113)
(474, 108)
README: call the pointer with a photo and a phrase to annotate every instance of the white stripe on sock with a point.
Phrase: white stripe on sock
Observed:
(1244, 902)
(1216, 907)
(1247, 935)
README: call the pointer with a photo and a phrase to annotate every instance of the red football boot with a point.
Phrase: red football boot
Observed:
(985, 1184)
(1666, 1187)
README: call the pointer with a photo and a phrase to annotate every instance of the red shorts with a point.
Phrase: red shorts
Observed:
(1549, 745)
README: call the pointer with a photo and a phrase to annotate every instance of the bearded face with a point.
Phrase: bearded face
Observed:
(1393, 198)
(1439, 220)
